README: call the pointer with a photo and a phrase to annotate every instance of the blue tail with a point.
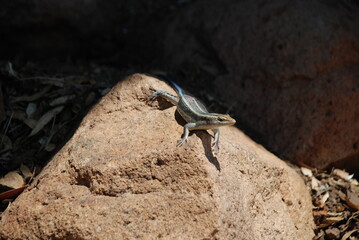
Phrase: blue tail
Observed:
(166, 78)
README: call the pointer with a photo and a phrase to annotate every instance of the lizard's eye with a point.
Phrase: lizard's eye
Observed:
(221, 118)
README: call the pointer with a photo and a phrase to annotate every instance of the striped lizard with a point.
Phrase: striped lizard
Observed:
(194, 113)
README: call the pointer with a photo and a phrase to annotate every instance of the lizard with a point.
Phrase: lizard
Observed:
(194, 113)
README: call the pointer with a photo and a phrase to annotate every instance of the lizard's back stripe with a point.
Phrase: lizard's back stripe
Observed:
(195, 104)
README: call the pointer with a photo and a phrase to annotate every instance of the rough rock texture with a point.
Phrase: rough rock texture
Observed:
(292, 71)
(121, 176)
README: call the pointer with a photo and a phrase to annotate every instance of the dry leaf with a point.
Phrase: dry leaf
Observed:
(324, 187)
(320, 212)
(62, 100)
(50, 147)
(342, 174)
(334, 214)
(32, 97)
(325, 197)
(11, 70)
(315, 184)
(6, 143)
(11, 194)
(45, 119)
(58, 82)
(347, 235)
(26, 171)
(341, 195)
(332, 220)
(352, 200)
(323, 225)
(354, 182)
(12, 180)
(306, 172)
(321, 202)
(339, 182)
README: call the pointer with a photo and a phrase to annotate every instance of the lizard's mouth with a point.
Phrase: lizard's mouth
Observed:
(229, 120)
(232, 121)
(225, 120)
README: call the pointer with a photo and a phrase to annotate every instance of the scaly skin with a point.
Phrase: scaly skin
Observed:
(195, 114)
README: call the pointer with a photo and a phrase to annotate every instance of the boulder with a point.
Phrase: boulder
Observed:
(121, 176)
(288, 69)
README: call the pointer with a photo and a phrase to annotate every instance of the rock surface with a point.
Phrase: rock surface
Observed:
(121, 176)
(289, 69)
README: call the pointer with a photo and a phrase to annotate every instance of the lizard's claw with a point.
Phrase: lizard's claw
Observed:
(152, 96)
(215, 146)
(180, 142)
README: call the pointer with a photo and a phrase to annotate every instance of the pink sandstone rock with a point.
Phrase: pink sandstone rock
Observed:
(121, 176)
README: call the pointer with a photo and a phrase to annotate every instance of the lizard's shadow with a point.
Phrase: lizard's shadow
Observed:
(206, 141)
(203, 135)
(164, 104)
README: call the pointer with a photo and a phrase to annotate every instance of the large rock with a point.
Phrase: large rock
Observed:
(291, 71)
(121, 176)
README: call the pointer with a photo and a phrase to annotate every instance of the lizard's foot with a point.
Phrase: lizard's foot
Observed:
(152, 96)
(215, 146)
(180, 142)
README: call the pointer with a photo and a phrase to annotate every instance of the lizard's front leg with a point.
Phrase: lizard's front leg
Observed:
(215, 144)
(169, 97)
(187, 128)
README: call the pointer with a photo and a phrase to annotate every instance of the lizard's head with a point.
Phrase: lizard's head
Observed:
(225, 119)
